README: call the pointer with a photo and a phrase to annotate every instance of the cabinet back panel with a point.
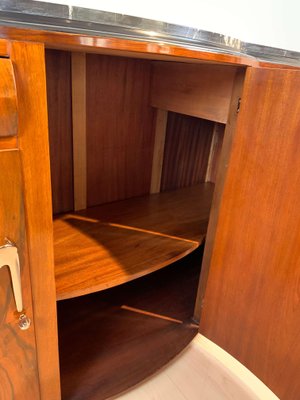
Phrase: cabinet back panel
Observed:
(58, 70)
(119, 128)
(187, 149)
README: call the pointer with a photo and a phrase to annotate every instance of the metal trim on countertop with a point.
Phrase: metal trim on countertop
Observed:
(64, 18)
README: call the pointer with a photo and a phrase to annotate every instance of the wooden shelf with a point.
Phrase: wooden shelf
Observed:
(112, 340)
(105, 246)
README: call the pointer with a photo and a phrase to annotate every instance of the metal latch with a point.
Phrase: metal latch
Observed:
(238, 107)
(9, 257)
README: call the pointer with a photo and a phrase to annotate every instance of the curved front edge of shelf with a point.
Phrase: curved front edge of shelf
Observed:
(103, 269)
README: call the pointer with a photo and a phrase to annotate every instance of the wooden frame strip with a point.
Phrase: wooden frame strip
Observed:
(215, 149)
(79, 129)
(159, 146)
(34, 150)
(217, 198)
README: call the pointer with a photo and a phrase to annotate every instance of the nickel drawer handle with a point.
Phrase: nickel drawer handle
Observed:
(9, 257)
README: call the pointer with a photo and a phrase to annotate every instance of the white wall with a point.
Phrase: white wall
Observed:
(267, 22)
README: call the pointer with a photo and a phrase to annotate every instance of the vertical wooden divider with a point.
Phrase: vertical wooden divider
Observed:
(215, 150)
(79, 129)
(159, 146)
(217, 198)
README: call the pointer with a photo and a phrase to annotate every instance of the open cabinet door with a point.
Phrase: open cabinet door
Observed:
(251, 306)
(29, 368)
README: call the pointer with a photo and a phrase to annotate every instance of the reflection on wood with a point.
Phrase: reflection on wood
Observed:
(111, 244)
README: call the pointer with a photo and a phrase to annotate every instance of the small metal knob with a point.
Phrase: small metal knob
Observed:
(24, 322)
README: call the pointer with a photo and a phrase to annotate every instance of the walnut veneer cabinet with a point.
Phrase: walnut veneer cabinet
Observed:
(147, 191)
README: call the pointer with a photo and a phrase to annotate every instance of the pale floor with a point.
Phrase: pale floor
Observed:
(203, 371)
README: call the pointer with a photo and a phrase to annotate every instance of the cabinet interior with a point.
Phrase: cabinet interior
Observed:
(134, 148)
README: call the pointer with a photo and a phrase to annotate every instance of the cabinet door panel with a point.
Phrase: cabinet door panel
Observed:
(29, 66)
(18, 363)
(252, 303)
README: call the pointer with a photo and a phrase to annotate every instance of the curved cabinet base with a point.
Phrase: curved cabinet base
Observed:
(112, 340)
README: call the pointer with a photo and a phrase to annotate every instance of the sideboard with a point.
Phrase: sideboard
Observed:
(148, 190)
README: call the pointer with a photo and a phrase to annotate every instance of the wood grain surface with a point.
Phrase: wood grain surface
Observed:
(124, 47)
(115, 243)
(110, 341)
(58, 76)
(187, 149)
(120, 136)
(8, 100)
(18, 361)
(202, 91)
(182, 213)
(252, 306)
(34, 149)
(219, 187)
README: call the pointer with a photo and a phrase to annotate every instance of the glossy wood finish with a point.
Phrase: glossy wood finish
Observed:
(262, 197)
(252, 304)
(112, 340)
(58, 69)
(176, 213)
(79, 130)
(4, 44)
(120, 140)
(127, 48)
(218, 192)
(202, 91)
(161, 120)
(18, 362)
(91, 256)
(8, 100)
(115, 243)
(215, 153)
(187, 149)
(33, 142)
